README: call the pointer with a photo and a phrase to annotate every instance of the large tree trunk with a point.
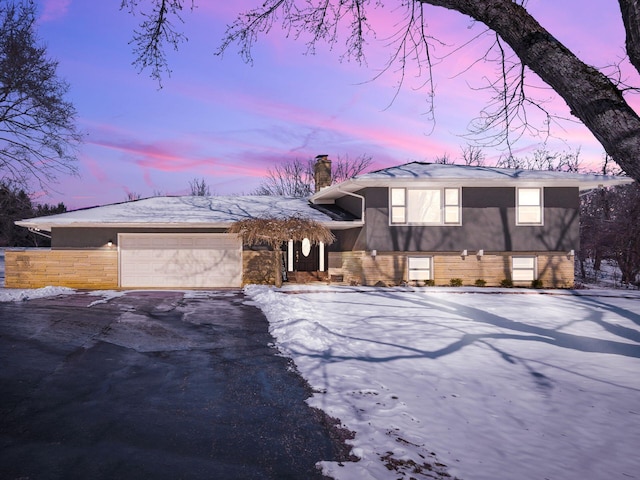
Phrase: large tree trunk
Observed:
(590, 95)
(630, 10)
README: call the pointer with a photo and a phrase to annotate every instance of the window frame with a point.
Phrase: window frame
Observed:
(539, 206)
(399, 208)
(428, 269)
(399, 205)
(533, 269)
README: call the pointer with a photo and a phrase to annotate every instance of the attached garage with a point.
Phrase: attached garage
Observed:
(179, 260)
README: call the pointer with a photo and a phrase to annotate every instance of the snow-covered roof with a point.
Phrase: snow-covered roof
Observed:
(212, 212)
(222, 211)
(450, 171)
(464, 175)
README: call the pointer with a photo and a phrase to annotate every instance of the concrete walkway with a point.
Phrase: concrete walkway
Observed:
(152, 385)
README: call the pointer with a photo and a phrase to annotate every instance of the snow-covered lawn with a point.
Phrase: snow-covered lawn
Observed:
(494, 384)
(499, 385)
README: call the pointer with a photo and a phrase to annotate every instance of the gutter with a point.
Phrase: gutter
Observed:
(37, 231)
(357, 196)
(339, 188)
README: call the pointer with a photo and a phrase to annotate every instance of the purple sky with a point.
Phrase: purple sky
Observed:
(228, 122)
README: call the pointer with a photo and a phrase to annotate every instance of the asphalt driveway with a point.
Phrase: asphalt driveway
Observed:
(157, 385)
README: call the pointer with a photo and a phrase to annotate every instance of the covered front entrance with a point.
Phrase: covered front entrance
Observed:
(306, 257)
(303, 256)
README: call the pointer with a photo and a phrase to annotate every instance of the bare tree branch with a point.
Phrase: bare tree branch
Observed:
(38, 136)
(156, 31)
(592, 97)
(630, 10)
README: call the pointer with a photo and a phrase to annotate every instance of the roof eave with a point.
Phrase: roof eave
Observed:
(47, 226)
(343, 225)
(608, 182)
(336, 191)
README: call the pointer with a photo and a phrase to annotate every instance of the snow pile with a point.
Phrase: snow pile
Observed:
(17, 294)
(106, 296)
(527, 386)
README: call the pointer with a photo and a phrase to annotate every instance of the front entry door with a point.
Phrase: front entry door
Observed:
(306, 257)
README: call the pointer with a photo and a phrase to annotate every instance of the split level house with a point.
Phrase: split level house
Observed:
(419, 223)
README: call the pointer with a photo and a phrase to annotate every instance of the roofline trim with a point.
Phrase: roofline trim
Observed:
(358, 183)
(46, 227)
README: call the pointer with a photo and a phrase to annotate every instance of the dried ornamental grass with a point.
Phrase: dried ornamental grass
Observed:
(275, 231)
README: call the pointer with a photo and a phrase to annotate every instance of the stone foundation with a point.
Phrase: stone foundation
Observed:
(91, 269)
(262, 267)
(555, 269)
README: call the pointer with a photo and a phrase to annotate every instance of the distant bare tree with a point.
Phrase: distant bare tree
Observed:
(595, 214)
(610, 230)
(444, 159)
(625, 232)
(543, 159)
(199, 188)
(132, 196)
(472, 155)
(344, 168)
(294, 178)
(510, 161)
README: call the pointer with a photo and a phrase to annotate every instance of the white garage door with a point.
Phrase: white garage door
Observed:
(183, 260)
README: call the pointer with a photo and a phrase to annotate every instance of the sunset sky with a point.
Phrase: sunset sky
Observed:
(228, 122)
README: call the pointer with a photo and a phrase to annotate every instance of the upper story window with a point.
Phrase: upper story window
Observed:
(529, 206)
(425, 206)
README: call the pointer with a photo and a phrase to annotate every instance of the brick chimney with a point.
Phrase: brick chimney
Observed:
(322, 172)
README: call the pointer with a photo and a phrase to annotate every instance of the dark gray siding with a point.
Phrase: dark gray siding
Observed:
(68, 237)
(562, 198)
(488, 223)
(348, 240)
(351, 204)
(499, 197)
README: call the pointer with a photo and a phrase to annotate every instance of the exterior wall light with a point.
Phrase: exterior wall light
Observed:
(464, 253)
(480, 253)
(110, 243)
(374, 253)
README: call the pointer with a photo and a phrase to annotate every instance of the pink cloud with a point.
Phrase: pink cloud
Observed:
(186, 154)
(54, 10)
(314, 122)
(165, 156)
(95, 169)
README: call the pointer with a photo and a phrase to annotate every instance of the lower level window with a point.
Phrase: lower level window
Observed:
(523, 269)
(420, 268)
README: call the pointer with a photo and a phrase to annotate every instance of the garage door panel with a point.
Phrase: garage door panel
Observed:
(180, 260)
